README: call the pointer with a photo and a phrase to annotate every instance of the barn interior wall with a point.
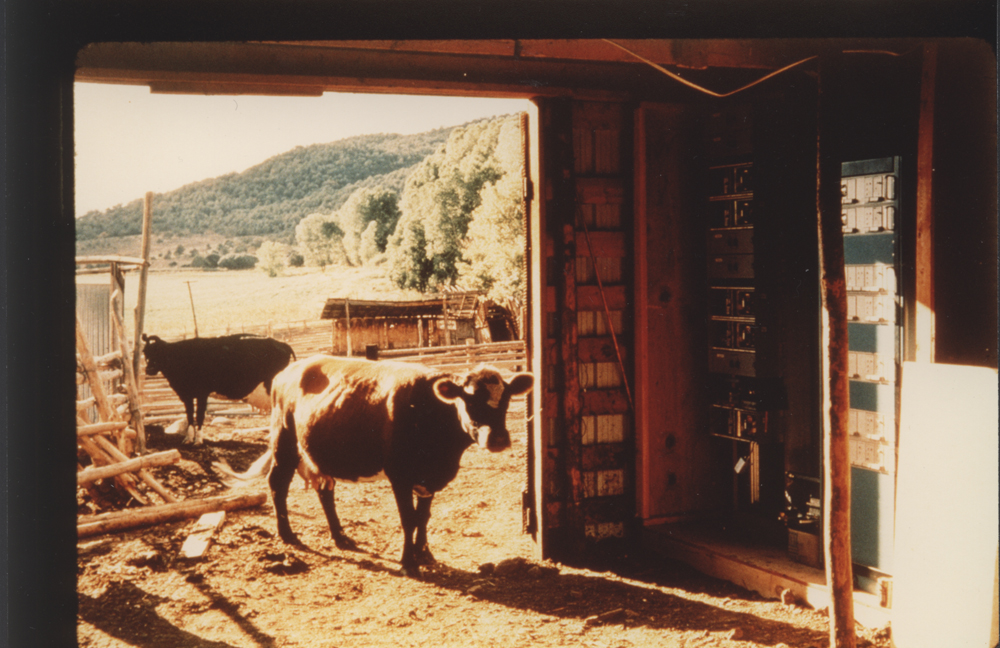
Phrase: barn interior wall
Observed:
(965, 204)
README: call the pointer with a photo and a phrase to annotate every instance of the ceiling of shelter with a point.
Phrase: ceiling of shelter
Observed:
(599, 69)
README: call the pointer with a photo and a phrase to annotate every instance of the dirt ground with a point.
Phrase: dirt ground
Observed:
(250, 590)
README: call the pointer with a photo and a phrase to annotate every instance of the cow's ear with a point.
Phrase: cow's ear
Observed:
(521, 384)
(447, 390)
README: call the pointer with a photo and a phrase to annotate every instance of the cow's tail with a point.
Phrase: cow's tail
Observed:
(257, 470)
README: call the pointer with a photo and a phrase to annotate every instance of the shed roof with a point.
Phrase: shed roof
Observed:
(460, 306)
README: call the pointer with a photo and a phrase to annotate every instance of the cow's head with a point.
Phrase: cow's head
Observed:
(151, 352)
(481, 398)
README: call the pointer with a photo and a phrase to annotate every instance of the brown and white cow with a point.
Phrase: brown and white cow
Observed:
(356, 420)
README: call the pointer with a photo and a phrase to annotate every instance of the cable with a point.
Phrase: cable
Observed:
(698, 87)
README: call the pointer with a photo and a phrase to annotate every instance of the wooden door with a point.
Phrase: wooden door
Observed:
(581, 246)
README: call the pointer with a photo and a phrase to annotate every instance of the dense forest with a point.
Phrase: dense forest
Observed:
(442, 208)
(271, 198)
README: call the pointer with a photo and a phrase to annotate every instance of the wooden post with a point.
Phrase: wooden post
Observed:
(447, 328)
(347, 318)
(924, 261)
(835, 399)
(131, 386)
(193, 315)
(140, 303)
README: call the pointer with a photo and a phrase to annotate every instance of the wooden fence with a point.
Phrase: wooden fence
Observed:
(505, 356)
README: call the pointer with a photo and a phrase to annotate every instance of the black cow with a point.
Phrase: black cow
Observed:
(236, 367)
(356, 420)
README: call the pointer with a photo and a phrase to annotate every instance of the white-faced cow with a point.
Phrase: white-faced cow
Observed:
(235, 367)
(357, 420)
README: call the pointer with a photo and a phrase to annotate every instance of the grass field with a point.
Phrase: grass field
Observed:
(238, 299)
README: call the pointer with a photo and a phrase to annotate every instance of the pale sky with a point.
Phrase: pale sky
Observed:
(129, 141)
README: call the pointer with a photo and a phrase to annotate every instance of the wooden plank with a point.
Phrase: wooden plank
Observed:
(200, 539)
(600, 191)
(604, 456)
(602, 244)
(604, 401)
(589, 298)
(599, 349)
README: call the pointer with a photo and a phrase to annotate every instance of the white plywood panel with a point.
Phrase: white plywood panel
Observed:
(946, 509)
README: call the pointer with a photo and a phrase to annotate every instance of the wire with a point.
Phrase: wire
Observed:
(698, 87)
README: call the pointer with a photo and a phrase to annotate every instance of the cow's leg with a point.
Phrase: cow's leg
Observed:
(340, 538)
(286, 459)
(200, 419)
(189, 413)
(408, 519)
(424, 556)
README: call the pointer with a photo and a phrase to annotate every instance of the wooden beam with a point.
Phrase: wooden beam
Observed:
(110, 258)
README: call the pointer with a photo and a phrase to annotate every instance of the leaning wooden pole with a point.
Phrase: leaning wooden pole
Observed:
(139, 517)
(836, 458)
(140, 303)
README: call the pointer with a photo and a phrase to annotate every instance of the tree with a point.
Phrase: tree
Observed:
(368, 247)
(438, 201)
(366, 206)
(409, 266)
(493, 249)
(320, 240)
(237, 262)
(272, 258)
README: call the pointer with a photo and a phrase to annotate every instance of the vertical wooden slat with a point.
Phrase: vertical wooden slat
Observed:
(836, 448)
(924, 334)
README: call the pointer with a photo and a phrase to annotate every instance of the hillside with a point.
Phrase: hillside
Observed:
(269, 199)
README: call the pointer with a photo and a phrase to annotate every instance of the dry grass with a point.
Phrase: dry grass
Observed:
(249, 298)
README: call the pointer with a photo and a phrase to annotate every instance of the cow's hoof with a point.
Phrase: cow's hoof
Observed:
(425, 557)
(291, 539)
(411, 572)
(344, 543)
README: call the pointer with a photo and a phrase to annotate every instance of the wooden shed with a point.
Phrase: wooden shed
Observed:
(451, 318)
(727, 238)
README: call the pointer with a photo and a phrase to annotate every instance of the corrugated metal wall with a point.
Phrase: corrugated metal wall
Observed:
(93, 309)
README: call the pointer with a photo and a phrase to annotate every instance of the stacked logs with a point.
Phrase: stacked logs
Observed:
(110, 440)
